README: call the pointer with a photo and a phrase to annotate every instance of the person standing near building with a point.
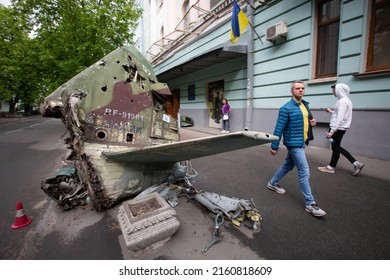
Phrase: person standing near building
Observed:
(340, 121)
(294, 124)
(225, 116)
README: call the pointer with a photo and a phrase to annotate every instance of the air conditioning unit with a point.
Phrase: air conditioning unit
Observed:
(277, 31)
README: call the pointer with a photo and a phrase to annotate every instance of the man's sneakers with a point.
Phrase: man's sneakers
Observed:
(276, 188)
(315, 210)
(357, 167)
(311, 208)
(326, 169)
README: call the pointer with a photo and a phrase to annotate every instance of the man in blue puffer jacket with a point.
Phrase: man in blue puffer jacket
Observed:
(294, 123)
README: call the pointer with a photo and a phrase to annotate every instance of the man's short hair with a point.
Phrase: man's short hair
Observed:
(296, 82)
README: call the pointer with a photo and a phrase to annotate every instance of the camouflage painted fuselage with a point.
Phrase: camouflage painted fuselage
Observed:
(115, 105)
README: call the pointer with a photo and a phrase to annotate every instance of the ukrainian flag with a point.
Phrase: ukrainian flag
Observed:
(239, 23)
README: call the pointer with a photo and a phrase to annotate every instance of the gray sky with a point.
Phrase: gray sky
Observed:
(5, 2)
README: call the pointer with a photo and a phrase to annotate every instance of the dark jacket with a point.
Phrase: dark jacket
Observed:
(290, 125)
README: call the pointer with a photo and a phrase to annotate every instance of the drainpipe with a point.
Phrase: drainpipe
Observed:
(249, 88)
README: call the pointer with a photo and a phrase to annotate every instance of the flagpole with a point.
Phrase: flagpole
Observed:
(255, 31)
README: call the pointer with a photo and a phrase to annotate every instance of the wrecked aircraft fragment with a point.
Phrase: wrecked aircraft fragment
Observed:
(237, 211)
(234, 209)
(65, 188)
(121, 138)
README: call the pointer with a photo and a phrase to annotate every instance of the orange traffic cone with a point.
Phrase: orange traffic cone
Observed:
(21, 220)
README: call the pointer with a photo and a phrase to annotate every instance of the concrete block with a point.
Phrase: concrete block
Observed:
(147, 223)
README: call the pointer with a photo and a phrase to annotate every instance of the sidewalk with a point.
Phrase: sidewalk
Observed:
(17, 118)
(10, 119)
(372, 167)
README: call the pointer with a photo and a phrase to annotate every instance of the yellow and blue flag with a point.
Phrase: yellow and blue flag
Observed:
(239, 23)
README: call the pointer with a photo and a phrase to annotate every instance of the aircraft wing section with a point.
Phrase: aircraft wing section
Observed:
(194, 148)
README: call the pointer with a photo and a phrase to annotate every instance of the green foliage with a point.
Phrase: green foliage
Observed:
(13, 47)
(47, 42)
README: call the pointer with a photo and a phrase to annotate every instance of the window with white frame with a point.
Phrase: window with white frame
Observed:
(328, 27)
(378, 55)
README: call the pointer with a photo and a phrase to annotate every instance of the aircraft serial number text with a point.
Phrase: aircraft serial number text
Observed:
(129, 116)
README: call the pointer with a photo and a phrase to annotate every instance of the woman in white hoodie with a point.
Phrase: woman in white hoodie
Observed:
(339, 122)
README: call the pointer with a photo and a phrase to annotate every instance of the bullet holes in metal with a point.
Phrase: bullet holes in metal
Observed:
(126, 67)
(101, 135)
(129, 137)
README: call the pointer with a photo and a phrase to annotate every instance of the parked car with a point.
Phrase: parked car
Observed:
(186, 121)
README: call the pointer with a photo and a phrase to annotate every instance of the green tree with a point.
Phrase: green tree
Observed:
(14, 48)
(76, 33)
(65, 37)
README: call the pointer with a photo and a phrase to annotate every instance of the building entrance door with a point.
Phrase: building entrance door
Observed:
(172, 103)
(214, 99)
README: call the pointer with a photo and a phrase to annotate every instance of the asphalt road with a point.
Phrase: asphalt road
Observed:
(29, 149)
(356, 227)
